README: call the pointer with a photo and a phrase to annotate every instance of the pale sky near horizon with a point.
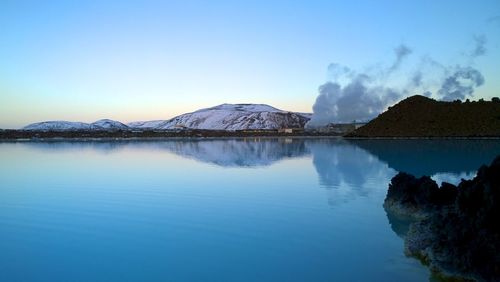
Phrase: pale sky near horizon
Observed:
(143, 60)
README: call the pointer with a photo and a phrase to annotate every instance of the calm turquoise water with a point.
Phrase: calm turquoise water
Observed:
(214, 210)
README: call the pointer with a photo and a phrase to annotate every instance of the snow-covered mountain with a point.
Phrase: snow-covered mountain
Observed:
(222, 117)
(151, 124)
(107, 124)
(232, 117)
(102, 124)
(57, 125)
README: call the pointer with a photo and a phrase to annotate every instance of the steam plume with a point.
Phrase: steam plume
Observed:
(360, 96)
(480, 48)
(402, 51)
(461, 84)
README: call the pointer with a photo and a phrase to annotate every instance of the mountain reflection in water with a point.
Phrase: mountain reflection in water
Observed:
(291, 209)
(343, 166)
(428, 157)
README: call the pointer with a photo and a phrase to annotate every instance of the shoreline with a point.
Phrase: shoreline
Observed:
(166, 138)
(119, 135)
(153, 134)
(119, 139)
(421, 137)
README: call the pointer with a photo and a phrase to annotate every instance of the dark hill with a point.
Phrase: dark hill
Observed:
(419, 116)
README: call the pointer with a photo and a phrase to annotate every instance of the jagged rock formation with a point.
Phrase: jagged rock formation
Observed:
(419, 116)
(456, 229)
(417, 197)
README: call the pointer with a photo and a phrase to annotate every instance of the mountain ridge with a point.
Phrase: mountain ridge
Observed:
(226, 116)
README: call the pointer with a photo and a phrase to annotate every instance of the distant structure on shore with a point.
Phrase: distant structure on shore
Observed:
(337, 128)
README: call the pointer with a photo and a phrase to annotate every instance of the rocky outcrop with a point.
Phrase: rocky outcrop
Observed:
(456, 230)
(417, 197)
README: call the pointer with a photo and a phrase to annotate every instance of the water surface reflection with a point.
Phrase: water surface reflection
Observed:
(345, 169)
(338, 162)
(166, 207)
(428, 157)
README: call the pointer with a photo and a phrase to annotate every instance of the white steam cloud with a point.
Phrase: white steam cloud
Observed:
(460, 84)
(356, 96)
(360, 96)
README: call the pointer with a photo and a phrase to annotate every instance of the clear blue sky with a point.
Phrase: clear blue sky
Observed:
(141, 60)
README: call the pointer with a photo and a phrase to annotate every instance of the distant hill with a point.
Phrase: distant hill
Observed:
(231, 117)
(419, 116)
(103, 124)
(227, 117)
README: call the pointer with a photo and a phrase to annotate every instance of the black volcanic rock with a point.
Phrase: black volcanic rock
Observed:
(458, 231)
(417, 197)
(419, 116)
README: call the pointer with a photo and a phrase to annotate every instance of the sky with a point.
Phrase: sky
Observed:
(144, 60)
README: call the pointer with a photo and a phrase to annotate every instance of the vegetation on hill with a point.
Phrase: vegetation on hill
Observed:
(419, 116)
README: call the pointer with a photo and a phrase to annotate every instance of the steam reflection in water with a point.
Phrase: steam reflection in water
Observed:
(300, 209)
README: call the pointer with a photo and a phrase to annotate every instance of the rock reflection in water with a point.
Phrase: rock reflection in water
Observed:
(345, 168)
(428, 157)
(399, 224)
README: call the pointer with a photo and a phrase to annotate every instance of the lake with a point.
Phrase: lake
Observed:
(255, 209)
